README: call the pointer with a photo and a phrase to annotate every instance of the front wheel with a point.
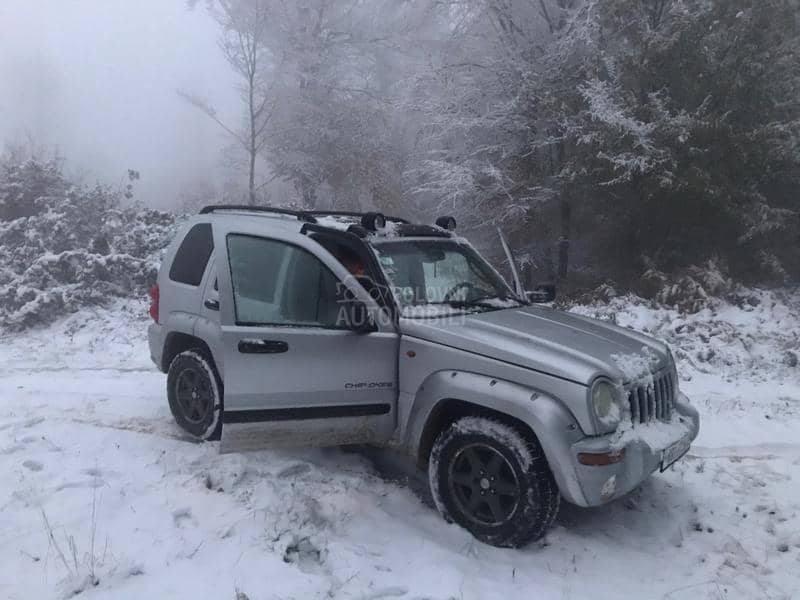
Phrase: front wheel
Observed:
(195, 395)
(493, 481)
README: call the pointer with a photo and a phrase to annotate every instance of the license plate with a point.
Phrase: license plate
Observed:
(674, 453)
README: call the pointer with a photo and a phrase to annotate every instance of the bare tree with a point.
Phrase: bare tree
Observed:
(244, 28)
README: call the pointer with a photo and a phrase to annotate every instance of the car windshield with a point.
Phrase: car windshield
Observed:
(436, 277)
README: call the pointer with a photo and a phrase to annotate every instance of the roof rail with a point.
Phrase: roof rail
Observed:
(303, 215)
(300, 214)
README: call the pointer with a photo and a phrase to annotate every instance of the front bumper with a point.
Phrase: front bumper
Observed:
(642, 456)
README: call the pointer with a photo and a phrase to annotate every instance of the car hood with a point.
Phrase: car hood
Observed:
(562, 344)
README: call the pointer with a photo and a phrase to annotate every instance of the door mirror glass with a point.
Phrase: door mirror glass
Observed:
(545, 292)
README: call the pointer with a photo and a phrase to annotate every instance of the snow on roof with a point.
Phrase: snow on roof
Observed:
(337, 221)
(343, 222)
(391, 229)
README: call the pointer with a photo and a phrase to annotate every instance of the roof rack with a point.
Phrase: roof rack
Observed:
(300, 214)
(346, 213)
(303, 215)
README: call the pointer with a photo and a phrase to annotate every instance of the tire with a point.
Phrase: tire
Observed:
(493, 481)
(195, 392)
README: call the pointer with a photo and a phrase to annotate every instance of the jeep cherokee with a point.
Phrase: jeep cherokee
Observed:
(269, 339)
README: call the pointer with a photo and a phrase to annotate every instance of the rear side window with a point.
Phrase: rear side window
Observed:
(192, 257)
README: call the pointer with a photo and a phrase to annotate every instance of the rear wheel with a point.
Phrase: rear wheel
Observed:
(195, 395)
(493, 481)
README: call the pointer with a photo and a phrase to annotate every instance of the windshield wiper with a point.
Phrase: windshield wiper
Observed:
(480, 302)
(468, 304)
(512, 297)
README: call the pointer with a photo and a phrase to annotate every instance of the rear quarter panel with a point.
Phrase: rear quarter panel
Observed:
(179, 303)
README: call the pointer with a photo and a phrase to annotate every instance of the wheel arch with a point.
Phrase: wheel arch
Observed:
(449, 410)
(448, 395)
(177, 342)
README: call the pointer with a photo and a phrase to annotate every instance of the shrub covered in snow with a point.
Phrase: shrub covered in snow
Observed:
(64, 246)
(728, 330)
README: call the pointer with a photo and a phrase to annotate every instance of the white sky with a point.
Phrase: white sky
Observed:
(96, 79)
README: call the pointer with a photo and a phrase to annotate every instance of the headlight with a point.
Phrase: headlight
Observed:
(605, 399)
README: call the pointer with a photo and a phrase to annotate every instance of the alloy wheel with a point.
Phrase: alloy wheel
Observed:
(483, 484)
(194, 395)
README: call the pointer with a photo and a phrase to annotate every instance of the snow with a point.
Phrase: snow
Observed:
(637, 367)
(390, 230)
(759, 334)
(655, 434)
(343, 222)
(614, 415)
(340, 223)
(85, 428)
(501, 302)
(498, 431)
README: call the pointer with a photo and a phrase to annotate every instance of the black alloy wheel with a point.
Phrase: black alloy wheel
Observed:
(492, 478)
(483, 484)
(195, 394)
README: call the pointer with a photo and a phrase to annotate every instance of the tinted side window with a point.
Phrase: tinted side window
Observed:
(275, 283)
(192, 256)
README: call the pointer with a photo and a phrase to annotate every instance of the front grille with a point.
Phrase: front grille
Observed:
(655, 400)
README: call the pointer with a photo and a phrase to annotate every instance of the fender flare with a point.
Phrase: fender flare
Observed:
(547, 417)
(177, 325)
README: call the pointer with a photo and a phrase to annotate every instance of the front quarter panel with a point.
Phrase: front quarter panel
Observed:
(553, 424)
(430, 357)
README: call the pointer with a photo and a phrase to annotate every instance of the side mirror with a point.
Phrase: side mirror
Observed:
(545, 292)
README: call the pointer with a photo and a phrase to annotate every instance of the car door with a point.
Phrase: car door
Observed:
(295, 373)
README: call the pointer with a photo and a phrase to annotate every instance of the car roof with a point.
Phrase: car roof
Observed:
(249, 220)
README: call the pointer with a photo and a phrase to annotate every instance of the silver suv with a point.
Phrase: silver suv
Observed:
(280, 328)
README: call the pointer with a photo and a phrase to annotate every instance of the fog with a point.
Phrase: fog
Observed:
(591, 132)
(96, 80)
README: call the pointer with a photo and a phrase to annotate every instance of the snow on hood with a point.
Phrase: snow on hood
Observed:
(638, 366)
(562, 344)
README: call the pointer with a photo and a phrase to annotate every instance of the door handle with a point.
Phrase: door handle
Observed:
(211, 304)
(262, 346)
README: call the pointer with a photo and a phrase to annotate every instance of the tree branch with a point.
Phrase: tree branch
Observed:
(208, 110)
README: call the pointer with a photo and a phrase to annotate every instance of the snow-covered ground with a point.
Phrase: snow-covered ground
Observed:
(97, 478)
